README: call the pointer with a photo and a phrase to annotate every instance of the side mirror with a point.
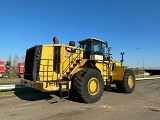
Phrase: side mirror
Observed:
(106, 44)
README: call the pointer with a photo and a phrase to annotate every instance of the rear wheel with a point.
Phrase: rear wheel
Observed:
(87, 85)
(128, 83)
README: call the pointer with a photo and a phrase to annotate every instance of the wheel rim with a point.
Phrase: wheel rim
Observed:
(130, 81)
(93, 86)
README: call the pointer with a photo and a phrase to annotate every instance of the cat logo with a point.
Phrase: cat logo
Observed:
(67, 54)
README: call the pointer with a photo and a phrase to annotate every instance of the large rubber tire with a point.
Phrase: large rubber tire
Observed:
(87, 85)
(128, 83)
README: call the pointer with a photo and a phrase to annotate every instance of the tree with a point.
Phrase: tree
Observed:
(8, 66)
(15, 62)
(9, 58)
(22, 58)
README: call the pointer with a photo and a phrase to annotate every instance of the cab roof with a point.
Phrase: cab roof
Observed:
(91, 40)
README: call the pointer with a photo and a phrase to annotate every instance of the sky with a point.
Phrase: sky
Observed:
(125, 24)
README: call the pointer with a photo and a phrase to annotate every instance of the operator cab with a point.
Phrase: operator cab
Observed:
(93, 48)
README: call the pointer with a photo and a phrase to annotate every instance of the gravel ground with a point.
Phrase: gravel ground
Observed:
(10, 80)
(142, 104)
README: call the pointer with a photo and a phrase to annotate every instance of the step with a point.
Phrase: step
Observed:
(74, 64)
(71, 68)
(108, 85)
(66, 74)
(77, 61)
(104, 74)
(64, 93)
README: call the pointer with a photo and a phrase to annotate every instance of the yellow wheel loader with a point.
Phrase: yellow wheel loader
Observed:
(82, 72)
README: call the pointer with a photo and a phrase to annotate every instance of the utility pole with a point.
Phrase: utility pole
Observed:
(142, 60)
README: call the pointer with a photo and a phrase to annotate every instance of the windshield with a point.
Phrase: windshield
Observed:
(97, 47)
(86, 46)
(94, 46)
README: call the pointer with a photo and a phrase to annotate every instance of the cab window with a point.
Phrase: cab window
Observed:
(86, 46)
(97, 47)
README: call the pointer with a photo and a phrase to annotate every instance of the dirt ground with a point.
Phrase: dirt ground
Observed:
(9, 80)
(143, 104)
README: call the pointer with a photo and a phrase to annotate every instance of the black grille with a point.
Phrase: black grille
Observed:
(33, 56)
(56, 62)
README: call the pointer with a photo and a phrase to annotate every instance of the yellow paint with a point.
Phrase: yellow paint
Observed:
(44, 86)
(93, 86)
(47, 76)
(130, 82)
(107, 70)
(103, 68)
(77, 68)
(46, 72)
(71, 60)
(118, 73)
(71, 63)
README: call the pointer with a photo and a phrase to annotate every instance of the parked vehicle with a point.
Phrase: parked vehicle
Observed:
(2, 68)
(81, 73)
(21, 69)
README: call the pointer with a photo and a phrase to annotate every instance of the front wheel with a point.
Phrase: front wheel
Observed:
(88, 85)
(128, 83)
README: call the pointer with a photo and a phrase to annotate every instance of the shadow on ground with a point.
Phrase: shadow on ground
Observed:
(31, 94)
(115, 90)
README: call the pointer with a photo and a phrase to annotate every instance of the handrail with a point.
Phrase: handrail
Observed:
(71, 62)
(67, 67)
(47, 60)
(72, 53)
